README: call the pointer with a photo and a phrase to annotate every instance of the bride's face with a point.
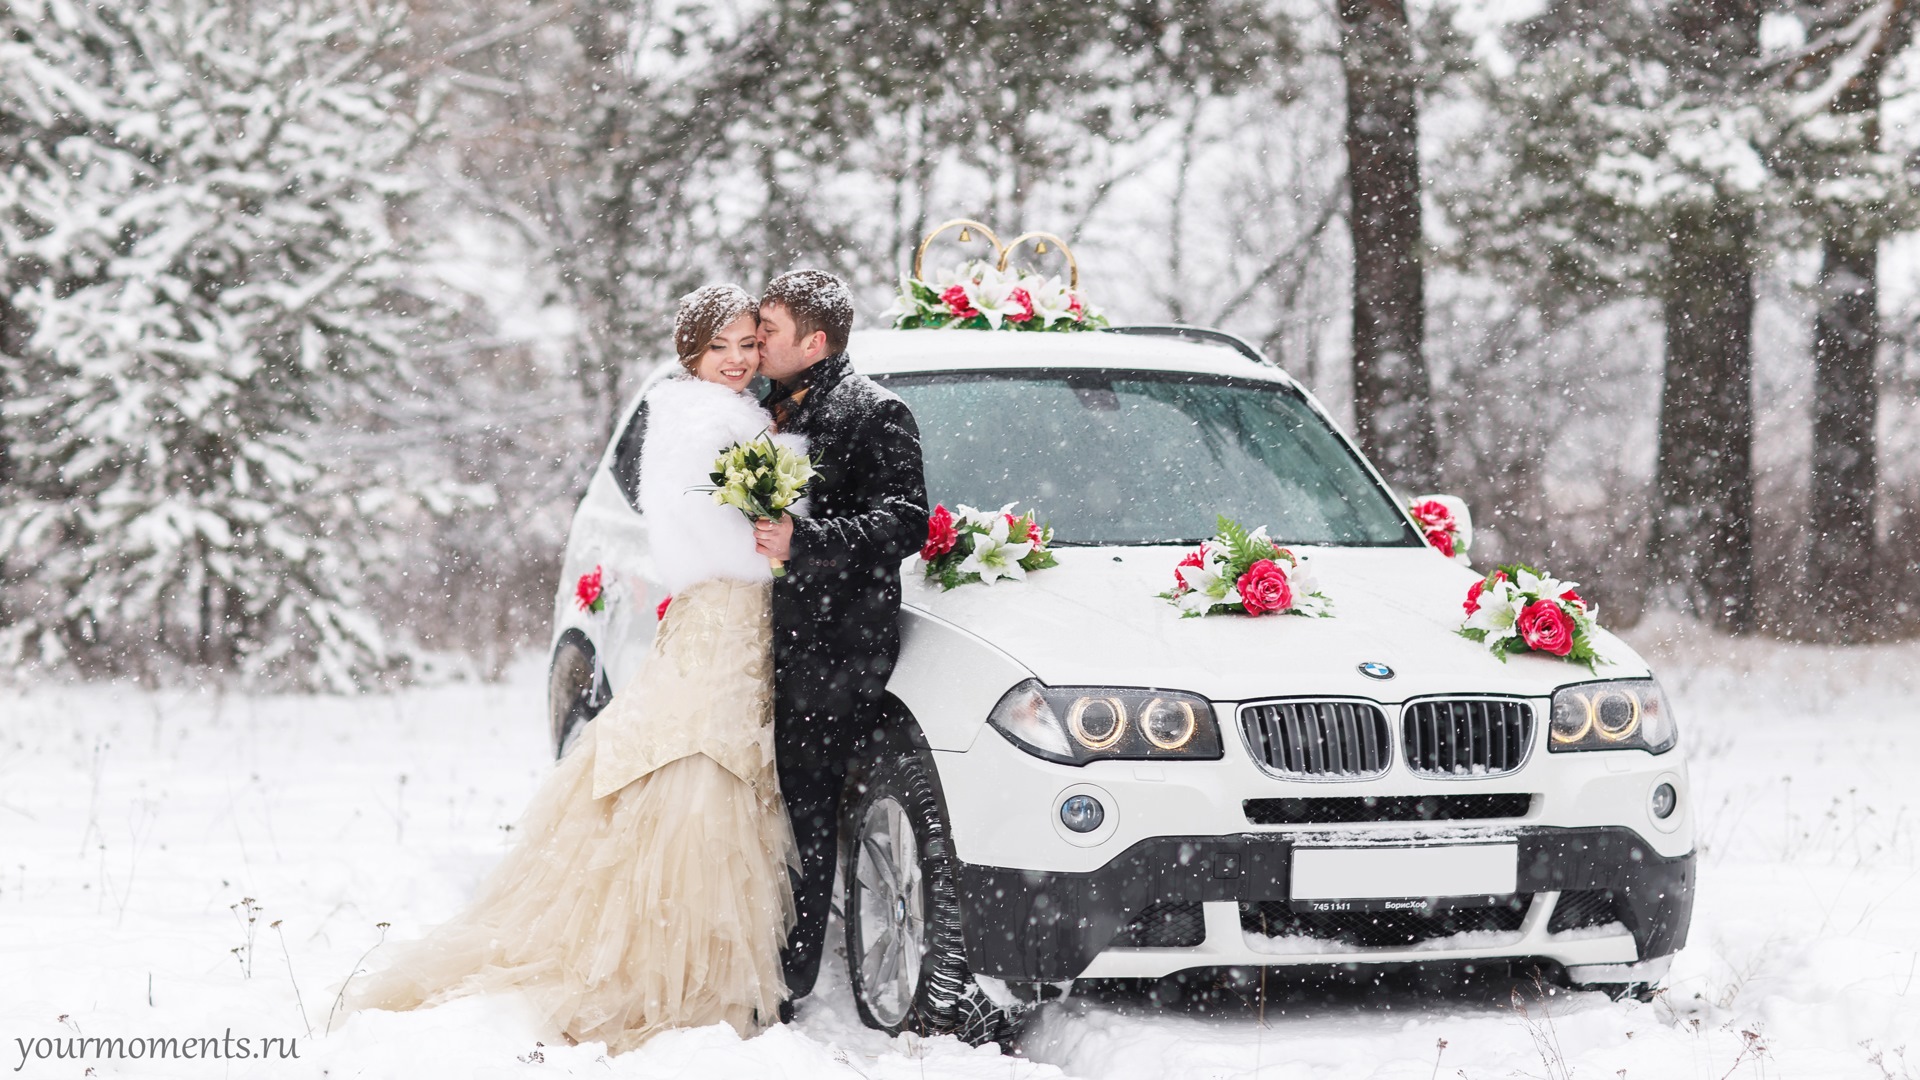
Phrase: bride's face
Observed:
(733, 356)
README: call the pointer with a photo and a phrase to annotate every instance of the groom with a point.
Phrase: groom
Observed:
(836, 631)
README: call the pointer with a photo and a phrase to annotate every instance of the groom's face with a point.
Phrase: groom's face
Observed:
(783, 352)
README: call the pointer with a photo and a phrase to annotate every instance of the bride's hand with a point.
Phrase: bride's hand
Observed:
(774, 539)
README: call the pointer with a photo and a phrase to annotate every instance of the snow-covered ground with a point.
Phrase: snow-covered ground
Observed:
(193, 864)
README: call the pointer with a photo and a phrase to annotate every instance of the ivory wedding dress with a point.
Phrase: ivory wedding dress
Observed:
(648, 889)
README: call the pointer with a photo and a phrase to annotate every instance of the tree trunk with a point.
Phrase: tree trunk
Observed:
(1701, 544)
(1392, 402)
(1702, 541)
(1846, 403)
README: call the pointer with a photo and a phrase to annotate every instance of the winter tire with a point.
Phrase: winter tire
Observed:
(906, 955)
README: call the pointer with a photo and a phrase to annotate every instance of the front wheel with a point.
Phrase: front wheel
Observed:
(906, 956)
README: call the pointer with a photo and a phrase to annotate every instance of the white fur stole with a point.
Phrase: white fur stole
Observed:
(690, 537)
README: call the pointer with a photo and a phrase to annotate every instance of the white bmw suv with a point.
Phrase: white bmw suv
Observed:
(1073, 782)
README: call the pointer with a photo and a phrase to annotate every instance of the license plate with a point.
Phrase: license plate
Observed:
(1404, 873)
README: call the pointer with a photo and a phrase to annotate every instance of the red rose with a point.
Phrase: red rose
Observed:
(1196, 557)
(1264, 588)
(1442, 541)
(1573, 598)
(586, 592)
(1025, 300)
(1473, 593)
(661, 611)
(1546, 628)
(1076, 308)
(1433, 514)
(941, 533)
(957, 302)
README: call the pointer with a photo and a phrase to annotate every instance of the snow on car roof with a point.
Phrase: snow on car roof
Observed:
(902, 352)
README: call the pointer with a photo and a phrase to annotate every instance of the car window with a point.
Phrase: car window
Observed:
(1144, 458)
(626, 455)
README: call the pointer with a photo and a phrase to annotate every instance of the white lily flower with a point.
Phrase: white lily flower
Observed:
(993, 557)
(1052, 300)
(1497, 615)
(991, 296)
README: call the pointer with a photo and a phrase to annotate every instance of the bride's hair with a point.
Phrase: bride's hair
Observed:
(705, 312)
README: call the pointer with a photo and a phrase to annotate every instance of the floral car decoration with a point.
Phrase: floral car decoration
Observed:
(977, 295)
(761, 479)
(983, 546)
(1439, 525)
(991, 293)
(1244, 573)
(1517, 609)
(590, 591)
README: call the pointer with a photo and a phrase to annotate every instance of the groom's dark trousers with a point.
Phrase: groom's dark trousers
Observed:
(836, 615)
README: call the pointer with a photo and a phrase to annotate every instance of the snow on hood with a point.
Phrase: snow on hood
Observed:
(1095, 620)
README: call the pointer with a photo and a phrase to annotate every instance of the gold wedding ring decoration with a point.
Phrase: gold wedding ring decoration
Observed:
(1003, 253)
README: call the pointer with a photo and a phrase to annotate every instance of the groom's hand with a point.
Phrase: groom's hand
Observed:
(774, 539)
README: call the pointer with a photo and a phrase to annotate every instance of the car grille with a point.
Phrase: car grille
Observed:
(1344, 739)
(1467, 736)
(1348, 809)
(1380, 929)
(1582, 908)
(1164, 926)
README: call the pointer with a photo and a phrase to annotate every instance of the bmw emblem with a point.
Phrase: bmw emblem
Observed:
(1374, 669)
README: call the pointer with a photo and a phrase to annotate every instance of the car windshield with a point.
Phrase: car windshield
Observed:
(1128, 457)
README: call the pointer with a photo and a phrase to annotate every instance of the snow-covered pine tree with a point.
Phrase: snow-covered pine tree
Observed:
(1850, 192)
(200, 274)
(1626, 157)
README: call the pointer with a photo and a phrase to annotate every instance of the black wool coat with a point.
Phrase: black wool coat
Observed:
(840, 599)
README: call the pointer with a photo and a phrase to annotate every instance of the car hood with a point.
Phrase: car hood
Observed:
(1095, 620)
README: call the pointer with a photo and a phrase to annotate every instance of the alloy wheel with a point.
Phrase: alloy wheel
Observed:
(891, 936)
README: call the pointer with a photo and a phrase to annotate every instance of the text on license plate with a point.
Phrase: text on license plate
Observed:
(1381, 873)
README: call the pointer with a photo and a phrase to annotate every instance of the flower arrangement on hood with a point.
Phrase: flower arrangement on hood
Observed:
(984, 546)
(1244, 573)
(977, 295)
(1517, 609)
(1441, 527)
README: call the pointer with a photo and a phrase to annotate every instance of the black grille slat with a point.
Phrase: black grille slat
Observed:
(1480, 736)
(1341, 810)
(1381, 929)
(1318, 738)
(1164, 926)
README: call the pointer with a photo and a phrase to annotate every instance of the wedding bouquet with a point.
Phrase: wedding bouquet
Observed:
(1441, 528)
(1244, 573)
(979, 296)
(761, 479)
(984, 546)
(1518, 609)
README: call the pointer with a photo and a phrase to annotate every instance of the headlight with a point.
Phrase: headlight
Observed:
(1625, 714)
(1077, 724)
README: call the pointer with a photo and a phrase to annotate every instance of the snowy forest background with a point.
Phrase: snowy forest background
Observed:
(314, 314)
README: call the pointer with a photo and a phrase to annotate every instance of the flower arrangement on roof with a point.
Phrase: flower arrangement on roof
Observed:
(991, 293)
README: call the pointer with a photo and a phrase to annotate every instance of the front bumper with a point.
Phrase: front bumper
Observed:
(1033, 925)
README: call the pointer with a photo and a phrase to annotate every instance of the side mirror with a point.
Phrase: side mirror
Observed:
(1462, 518)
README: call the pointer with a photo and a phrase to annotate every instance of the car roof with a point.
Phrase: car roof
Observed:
(904, 352)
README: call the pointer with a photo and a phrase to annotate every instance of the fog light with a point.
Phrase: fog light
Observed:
(1082, 813)
(1664, 800)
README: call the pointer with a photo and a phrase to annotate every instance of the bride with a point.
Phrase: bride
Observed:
(649, 888)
